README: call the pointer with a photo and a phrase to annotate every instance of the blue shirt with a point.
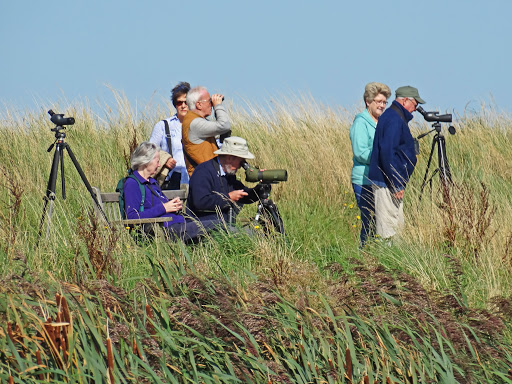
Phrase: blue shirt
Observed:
(158, 138)
(153, 203)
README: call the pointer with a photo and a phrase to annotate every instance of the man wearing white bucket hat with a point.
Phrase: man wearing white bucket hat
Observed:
(214, 188)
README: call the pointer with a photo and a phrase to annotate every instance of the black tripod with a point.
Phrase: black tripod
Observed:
(443, 168)
(267, 214)
(59, 120)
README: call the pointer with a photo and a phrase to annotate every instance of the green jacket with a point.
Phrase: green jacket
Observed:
(362, 133)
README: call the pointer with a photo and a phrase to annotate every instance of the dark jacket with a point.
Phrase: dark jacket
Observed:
(393, 156)
(209, 192)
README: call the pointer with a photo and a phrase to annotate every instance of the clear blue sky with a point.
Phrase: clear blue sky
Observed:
(457, 53)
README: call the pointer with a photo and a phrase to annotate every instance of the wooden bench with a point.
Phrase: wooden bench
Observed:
(109, 203)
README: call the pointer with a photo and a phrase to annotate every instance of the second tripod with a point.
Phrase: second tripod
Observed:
(60, 145)
(443, 168)
(267, 214)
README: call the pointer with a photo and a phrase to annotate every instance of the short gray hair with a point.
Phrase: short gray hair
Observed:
(143, 154)
(193, 96)
(372, 90)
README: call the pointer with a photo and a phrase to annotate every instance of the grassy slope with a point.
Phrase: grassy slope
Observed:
(463, 250)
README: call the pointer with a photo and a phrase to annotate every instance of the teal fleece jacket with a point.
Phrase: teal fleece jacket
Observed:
(362, 133)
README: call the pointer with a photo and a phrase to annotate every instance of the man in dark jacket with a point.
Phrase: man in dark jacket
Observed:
(393, 160)
(213, 187)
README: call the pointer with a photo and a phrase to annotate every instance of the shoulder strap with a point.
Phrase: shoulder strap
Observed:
(168, 136)
(153, 191)
(216, 165)
(142, 191)
(189, 159)
(399, 111)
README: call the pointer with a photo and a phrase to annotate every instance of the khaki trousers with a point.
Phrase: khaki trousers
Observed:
(389, 212)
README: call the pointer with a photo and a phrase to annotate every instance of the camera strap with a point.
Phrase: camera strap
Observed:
(168, 136)
(400, 112)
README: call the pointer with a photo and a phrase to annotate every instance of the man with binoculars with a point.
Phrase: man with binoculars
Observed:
(214, 188)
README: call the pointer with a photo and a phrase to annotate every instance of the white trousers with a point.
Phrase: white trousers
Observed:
(389, 212)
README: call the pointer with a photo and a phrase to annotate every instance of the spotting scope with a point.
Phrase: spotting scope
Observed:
(268, 176)
(59, 119)
(434, 115)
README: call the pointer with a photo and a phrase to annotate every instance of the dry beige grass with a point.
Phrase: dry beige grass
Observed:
(308, 139)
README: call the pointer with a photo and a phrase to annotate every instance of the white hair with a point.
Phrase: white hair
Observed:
(143, 154)
(193, 97)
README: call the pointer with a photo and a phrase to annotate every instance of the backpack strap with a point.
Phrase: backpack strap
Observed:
(168, 136)
(142, 191)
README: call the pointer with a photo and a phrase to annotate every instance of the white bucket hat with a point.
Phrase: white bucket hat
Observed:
(235, 146)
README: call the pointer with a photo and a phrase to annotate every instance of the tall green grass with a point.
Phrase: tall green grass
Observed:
(320, 298)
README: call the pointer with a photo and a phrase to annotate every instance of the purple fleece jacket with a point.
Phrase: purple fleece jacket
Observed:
(153, 203)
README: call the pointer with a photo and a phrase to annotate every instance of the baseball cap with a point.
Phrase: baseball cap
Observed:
(409, 91)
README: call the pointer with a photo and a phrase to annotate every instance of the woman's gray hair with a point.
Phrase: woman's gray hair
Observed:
(143, 154)
(373, 89)
(193, 97)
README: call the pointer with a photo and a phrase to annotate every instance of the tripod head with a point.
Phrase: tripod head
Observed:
(263, 190)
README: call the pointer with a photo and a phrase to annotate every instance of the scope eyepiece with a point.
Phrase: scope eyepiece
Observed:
(59, 119)
(268, 176)
(434, 116)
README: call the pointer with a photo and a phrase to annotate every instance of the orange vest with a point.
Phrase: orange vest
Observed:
(196, 153)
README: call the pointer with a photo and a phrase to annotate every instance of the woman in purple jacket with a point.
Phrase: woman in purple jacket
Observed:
(145, 161)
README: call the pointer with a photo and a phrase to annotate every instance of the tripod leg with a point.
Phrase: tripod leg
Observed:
(85, 181)
(444, 170)
(272, 215)
(428, 166)
(50, 192)
(444, 167)
(62, 178)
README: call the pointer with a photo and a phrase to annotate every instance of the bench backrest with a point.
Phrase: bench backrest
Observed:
(109, 202)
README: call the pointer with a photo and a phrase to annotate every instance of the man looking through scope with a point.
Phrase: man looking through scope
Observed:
(393, 161)
(214, 187)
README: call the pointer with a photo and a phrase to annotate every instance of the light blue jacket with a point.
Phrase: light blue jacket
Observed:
(362, 133)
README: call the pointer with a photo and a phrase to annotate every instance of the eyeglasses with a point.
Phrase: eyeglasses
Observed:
(202, 101)
(415, 103)
(180, 102)
(382, 102)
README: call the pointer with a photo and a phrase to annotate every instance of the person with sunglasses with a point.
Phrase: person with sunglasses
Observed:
(362, 132)
(172, 172)
(199, 135)
(393, 161)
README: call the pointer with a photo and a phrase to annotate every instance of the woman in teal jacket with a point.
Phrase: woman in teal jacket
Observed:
(362, 133)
